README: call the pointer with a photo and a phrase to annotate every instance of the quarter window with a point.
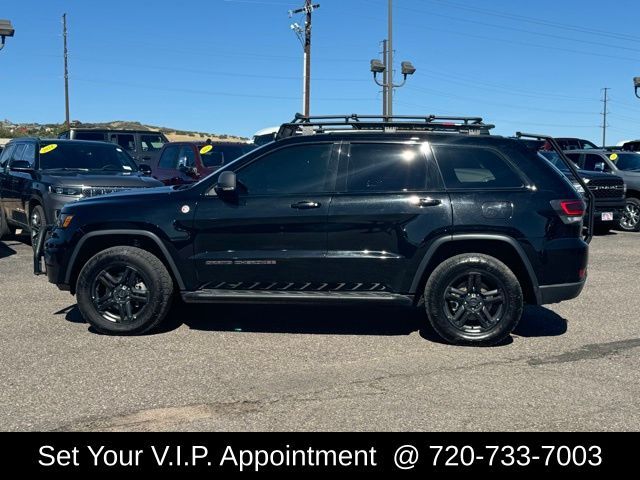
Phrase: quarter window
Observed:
(474, 167)
(386, 168)
(298, 169)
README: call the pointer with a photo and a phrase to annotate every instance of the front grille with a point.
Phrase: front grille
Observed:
(607, 188)
(97, 191)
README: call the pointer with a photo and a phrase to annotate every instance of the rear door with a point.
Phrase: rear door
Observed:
(5, 179)
(389, 204)
(150, 146)
(127, 142)
(20, 184)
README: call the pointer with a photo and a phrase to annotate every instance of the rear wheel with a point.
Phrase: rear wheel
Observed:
(630, 220)
(124, 291)
(473, 299)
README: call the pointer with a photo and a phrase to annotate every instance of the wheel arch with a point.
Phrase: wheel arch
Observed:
(94, 242)
(501, 247)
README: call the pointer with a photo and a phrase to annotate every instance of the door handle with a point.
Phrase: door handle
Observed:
(429, 202)
(306, 205)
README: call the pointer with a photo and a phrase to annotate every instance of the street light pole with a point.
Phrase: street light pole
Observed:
(66, 72)
(306, 87)
(390, 61)
(6, 30)
(636, 83)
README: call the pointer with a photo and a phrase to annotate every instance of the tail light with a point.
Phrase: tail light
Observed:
(570, 211)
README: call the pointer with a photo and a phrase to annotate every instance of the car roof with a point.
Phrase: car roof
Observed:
(60, 141)
(204, 142)
(590, 150)
(111, 130)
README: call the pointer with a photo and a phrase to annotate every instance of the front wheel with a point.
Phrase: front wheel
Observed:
(124, 291)
(37, 222)
(473, 299)
(630, 221)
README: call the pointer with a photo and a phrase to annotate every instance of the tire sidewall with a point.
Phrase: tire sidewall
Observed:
(457, 266)
(158, 296)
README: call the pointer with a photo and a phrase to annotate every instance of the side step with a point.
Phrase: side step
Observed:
(263, 296)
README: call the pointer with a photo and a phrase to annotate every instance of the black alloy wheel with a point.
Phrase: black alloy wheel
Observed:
(474, 302)
(37, 223)
(119, 293)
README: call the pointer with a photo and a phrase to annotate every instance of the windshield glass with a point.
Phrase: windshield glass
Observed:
(555, 160)
(219, 155)
(85, 156)
(626, 161)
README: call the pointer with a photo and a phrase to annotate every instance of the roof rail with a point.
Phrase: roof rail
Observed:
(302, 125)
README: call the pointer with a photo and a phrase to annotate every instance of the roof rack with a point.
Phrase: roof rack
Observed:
(302, 125)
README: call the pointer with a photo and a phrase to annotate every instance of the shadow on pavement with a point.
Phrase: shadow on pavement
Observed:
(310, 320)
(6, 250)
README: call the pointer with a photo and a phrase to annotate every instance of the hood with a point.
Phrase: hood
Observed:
(93, 179)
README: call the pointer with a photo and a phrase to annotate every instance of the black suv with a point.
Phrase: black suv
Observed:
(344, 209)
(38, 177)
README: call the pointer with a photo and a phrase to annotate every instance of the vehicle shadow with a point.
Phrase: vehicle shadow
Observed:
(6, 250)
(314, 320)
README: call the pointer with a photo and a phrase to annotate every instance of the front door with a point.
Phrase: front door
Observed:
(390, 204)
(272, 235)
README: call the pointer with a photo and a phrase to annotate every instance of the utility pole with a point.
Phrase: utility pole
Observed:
(306, 88)
(385, 77)
(66, 72)
(390, 61)
(604, 116)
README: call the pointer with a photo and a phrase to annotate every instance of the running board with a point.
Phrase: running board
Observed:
(262, 296)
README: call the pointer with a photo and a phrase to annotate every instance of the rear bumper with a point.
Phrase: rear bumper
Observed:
(559, 293)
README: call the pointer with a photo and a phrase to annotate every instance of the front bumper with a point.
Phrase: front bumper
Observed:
(611, 206)
(559, 293)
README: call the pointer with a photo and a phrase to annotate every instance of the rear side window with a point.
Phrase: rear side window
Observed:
(151, 143)
(475, 167)
(386, 168)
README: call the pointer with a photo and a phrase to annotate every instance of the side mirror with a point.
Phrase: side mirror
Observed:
(144, 169)
(191, 171)
(21, 166)
(227, 183)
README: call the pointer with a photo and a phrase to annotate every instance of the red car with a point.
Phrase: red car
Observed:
(188, 162)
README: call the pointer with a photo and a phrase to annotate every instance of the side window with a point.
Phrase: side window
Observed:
(97, 136)
(574, 157)
(297, 169)
(6, 155)
(151, 143)
(29, 153)
(386, 168)
(169, 158)
(17, 153)
(187, 157)
(595, 163)
(126, 141)
(475, 167)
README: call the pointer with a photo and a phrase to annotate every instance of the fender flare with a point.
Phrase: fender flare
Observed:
(144, 233)
(473, 236)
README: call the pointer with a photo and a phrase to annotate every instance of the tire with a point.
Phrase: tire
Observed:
(473, 278)
(124, 291)
(37, 221)
(630, 220)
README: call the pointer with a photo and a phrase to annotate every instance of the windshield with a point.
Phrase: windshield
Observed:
(219, 155)
(626, 161)
(85, 156)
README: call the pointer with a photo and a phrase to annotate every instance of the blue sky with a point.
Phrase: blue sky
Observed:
(234, 66)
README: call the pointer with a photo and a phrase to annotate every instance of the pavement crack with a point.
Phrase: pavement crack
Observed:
(593, 351)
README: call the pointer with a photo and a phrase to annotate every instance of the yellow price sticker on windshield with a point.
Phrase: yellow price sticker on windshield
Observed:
(48, 148)
(613, 157)
(206, 149)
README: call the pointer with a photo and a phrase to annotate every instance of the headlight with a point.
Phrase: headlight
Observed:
(64, 220)
(70, 191)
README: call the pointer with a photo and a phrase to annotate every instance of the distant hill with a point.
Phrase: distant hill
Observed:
(9, 129)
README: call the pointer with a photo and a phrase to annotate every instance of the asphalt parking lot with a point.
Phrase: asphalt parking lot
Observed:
(574, 366)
